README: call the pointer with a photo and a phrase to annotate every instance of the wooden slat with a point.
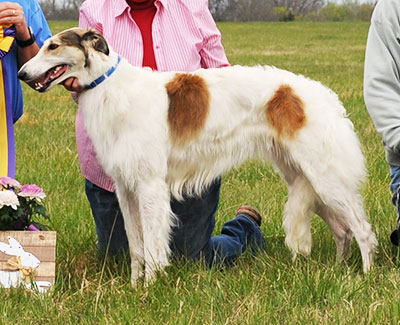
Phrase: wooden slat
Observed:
(45, 278)
(31, 238)
(44, 254)
(44, 269)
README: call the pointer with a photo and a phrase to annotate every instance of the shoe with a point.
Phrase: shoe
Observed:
(394, 237)
(250, 212)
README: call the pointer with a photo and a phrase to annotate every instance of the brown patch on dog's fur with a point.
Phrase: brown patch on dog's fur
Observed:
(189, 105)
(285, 112)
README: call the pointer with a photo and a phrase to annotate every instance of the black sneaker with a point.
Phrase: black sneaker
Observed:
(395, 236)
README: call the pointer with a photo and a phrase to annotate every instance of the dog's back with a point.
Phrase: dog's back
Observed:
(257, 113)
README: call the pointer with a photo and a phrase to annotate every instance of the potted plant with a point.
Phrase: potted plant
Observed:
(27, 248)
(20, 205)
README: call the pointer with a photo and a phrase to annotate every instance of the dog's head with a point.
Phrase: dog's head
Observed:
(70, 53)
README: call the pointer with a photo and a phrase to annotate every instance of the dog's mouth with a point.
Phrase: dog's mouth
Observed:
(43, 82)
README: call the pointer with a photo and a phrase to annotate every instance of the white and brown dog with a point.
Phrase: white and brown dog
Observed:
(159, 134)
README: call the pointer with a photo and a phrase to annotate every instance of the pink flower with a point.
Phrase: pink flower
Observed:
(8, 182)
(32, 191)
(8, 198)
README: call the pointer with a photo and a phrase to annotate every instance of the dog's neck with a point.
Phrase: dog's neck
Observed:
(100, 71)
(103, 77)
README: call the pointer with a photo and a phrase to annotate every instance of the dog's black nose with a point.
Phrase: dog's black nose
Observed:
(22, 75)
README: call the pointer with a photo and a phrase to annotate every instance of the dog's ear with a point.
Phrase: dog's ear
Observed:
(96, 40)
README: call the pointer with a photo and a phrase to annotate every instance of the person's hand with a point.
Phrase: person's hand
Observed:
(72, 84)
(12, 13)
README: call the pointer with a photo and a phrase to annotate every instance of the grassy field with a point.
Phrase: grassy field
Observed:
(268, 289)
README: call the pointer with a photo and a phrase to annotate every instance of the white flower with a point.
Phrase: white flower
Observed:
(9, 198)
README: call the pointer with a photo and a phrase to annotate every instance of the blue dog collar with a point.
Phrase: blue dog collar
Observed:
(100, 79)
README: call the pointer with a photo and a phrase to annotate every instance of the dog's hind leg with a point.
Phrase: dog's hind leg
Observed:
(157, 220)
(340, 196)
(297, 216)
(134, 230)
(352, 213)
(340, 230)
(301, 201)
(301, 190)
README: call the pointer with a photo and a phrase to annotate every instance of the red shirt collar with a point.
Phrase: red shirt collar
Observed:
(140, 4)
(121, 5)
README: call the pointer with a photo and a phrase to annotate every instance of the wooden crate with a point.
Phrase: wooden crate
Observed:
(42, 244)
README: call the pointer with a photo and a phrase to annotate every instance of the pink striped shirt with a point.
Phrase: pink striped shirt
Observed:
(185, 38)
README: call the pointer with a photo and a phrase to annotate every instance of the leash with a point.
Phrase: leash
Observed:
(99, 80)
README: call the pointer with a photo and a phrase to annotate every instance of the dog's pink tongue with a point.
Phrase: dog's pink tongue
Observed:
(55, 73)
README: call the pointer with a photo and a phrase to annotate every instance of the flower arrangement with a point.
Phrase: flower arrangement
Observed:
(20, 204)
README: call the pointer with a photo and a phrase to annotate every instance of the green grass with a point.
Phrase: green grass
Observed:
(268, 289)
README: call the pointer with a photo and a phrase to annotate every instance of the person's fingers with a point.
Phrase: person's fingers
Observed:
(68, 84)
(13, 13)
(72, 84)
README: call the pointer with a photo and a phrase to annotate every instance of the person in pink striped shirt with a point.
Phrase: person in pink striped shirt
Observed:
(164, 35)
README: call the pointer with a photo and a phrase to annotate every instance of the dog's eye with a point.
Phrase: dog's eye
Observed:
(52, 46)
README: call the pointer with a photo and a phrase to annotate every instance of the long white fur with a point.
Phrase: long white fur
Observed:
(126, 118)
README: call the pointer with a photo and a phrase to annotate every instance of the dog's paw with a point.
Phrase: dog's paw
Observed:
(299, 245)
(136, 272)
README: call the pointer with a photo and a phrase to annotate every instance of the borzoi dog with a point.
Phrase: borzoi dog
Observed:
(159, 134)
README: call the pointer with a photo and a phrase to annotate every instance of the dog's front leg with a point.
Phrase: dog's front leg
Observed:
(156, 219)
(130, 210)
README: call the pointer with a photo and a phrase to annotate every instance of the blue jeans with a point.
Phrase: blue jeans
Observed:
(395, 188)
(191, 238)
(395, 184)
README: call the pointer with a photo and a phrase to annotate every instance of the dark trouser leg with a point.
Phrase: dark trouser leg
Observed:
(395, 188)
(108, 219)
(192, 238)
